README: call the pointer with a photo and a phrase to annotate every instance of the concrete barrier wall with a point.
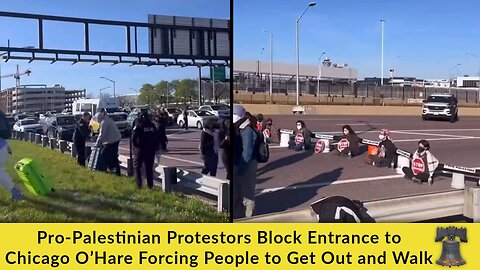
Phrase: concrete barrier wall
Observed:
(270, 109)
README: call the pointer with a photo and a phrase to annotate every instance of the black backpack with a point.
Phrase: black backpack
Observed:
(262, 150)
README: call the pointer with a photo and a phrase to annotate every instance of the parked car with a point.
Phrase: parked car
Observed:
(61, 127)
(440, 106)
(196, 118)
(173, 114)
(22, 116)
(28, 125)
(220, 110)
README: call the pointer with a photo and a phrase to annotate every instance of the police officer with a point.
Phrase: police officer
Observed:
(145, 142)
(185, 117)
(80, 136)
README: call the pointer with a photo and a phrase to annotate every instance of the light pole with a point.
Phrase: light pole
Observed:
(112, 81)
(450, 75)
(319, 74)
(312, 4)
(381, 79)
(101, 89)
(271, 62)
(478, 57)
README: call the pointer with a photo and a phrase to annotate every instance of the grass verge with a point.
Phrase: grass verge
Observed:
(85, 196)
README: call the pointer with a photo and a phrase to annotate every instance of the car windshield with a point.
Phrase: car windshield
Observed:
(113, 110)
(440, 99)
(220, 108)
(203, 113)
(175, 110)
(28, 122)
(23, 116)
(61, 121)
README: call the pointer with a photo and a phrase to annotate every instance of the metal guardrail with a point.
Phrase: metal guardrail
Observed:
(414, 208)
(188, 179)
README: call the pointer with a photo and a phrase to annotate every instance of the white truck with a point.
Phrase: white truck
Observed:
(95, 105)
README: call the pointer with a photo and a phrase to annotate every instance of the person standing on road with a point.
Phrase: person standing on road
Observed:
(80, 136)
(244, 162)
(209, 145)
(185, 117)
(302, 137)
(161, 121)
(109, 139)
(386, 153)
(423, 164)
(225, 146)
(145, 140)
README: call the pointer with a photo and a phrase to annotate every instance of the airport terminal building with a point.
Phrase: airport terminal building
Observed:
(254, 76)
(39, 98)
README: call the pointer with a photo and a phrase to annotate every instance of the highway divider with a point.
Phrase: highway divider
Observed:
(171, 178)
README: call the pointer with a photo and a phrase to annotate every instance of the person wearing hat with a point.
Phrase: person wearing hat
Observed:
(80, 136)
(108, 140)
(209, 146)
(145, 140)
(387, 151)
(244, 162)
(423, 164)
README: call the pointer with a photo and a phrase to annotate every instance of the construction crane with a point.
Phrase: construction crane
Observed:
(17, 76)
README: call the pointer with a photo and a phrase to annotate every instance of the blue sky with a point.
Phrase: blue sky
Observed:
(84, 76)
(423, 38)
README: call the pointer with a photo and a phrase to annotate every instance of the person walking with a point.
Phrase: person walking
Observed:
(244, 162)
(225, 146)
(185, 117)
(161, 122)
(80, 136)
(108, 140)
(145, 140)
(209, 145)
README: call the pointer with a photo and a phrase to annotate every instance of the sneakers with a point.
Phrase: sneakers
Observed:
(17, 195)
(416, 180)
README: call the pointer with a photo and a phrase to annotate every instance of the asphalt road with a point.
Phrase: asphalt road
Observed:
(182, 150)
(295, 179)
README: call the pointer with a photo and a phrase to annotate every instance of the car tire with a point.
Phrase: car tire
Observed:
(452, 119)
(199, 125)
(424, 118)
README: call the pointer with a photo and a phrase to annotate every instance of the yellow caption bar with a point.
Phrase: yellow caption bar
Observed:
(238, 246)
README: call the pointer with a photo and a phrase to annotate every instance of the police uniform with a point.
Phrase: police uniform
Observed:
(145, 142)
(80, 136)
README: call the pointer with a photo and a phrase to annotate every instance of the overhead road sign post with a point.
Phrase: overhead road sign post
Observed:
(207, 52)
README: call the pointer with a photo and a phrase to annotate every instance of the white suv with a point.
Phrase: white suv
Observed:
(440, 106)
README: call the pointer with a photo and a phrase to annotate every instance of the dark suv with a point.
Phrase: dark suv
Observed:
(61, 126)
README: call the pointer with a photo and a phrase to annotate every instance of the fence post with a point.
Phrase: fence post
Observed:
(74, 150)
(32, 137)
(223, 199)
(129, 167)
(53, 143)
(169, 179)
(44, 141)
(62, 146)
(38, 139)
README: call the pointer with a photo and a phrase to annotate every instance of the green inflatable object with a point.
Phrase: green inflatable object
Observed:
(32, 177)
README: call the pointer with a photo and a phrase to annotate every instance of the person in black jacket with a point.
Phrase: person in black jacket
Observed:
(302, 138)
(80, 136)
(349, 142)
(387, 151)
(161, 121)
(185, 117)
(146, 143)
(209, 145)
(225, 139)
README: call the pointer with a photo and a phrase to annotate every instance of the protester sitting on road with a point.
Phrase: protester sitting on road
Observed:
(209, 146)
(80, 136)
(109, 139)
(386, 151)
(301, 139)
(348, 144)
(271, 133)
(244, 163)
(225, 139)
(145, 141)
(423, 164)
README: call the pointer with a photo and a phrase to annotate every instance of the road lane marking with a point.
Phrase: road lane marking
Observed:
(431, 134)
(336, 182)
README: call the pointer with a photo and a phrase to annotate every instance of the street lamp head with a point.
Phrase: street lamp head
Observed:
(312, 4)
